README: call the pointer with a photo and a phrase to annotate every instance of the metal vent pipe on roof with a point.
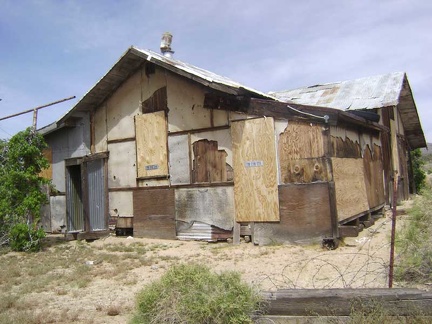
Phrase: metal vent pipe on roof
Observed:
(165, 45)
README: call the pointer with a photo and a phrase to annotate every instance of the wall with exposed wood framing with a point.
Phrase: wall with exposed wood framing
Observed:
(395, 153)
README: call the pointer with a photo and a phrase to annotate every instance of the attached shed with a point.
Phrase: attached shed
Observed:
(180, 152)
(388, 95)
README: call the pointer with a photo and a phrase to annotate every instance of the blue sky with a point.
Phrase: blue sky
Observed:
(53, 49)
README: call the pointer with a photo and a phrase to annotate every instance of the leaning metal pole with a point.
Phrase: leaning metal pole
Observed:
(35, 110)
(393, 228)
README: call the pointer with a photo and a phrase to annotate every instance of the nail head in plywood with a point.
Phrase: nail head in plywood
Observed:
(255, 187)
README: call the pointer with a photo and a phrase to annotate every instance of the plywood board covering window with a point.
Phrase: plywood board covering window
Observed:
(151, 142)
(349, 178)
(255, 171)
(301, 140)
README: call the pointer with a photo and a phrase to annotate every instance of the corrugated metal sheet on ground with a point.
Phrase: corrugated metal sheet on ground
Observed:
(201, 231)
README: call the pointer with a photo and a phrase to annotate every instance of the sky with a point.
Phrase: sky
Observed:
(55, 49)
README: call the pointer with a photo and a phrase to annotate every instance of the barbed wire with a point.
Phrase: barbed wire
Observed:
(366, 268)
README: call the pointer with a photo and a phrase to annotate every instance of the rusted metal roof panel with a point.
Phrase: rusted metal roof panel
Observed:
(366, 93)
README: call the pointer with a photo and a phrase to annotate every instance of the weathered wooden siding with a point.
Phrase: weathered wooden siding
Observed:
(373, 172)
(221, 136)
(349, 178)
(154, 213)
(304, 215)
(255, 170)
(209, 163)
(151, 145)
(211, 205)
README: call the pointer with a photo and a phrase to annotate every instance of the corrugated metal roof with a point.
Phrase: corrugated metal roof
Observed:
(366, 93)
(133, 58)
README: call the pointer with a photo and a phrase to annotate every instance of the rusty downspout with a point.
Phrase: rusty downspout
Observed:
(393, 229)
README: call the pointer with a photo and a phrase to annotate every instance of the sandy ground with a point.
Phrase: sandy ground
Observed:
(358, 262)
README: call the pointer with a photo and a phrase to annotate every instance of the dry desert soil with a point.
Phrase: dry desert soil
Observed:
(97, 282)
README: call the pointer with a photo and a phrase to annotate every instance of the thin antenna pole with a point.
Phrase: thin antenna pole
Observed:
(34, 110)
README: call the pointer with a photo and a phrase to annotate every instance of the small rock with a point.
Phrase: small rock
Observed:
(154, 267)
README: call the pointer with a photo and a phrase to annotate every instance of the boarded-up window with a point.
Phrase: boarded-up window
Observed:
(151, 142)
(209, 164)
(255, 172)
(349, 178)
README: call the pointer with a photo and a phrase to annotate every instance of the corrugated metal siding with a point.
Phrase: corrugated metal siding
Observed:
(201, 232)
(74, 204)
(96, 192)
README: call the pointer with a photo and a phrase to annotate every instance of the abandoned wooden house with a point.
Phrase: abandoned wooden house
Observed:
(390, 97)
(173, 151)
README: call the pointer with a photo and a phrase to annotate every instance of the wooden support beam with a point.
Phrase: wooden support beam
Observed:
(341, 302)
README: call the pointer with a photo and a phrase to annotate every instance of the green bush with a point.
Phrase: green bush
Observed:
(414, 242)
(21, 197)
(23, 237)
(193, 294)
(418, 172)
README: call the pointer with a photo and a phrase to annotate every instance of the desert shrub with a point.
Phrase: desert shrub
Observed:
(193, 294)
(21, 197)
(414, 242)
(23, 237)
